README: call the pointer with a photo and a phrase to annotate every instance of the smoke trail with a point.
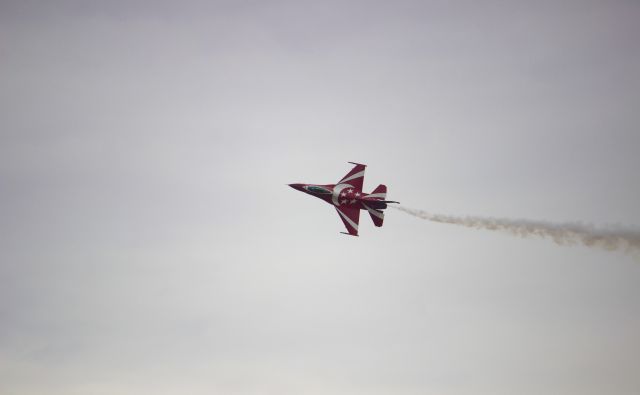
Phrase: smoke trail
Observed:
(610, 239)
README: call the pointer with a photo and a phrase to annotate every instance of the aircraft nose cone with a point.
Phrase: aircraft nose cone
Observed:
(296, 186)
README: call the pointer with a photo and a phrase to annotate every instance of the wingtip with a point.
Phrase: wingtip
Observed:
(348, 234)
(360, 164)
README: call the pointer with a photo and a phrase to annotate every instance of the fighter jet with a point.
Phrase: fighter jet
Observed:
(348, 199)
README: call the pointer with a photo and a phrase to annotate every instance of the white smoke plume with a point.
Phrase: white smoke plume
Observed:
(622, 239)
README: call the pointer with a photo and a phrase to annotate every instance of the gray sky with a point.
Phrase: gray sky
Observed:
(148, 243)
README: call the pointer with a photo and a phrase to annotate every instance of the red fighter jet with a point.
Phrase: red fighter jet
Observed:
(348, 199)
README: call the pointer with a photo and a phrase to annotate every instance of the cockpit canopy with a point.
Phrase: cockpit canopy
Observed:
(317, 189)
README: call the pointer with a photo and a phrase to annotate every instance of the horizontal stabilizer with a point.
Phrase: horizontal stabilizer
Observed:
(379, 193)
(377, 216)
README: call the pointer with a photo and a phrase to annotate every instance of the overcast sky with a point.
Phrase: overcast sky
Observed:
(149, 244)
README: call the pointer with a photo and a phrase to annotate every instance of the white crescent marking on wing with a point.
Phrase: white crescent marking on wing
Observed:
(336, 193)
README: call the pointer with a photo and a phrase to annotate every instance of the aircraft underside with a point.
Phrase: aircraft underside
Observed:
(348, 198)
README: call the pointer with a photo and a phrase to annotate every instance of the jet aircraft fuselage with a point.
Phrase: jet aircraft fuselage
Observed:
(348, 198)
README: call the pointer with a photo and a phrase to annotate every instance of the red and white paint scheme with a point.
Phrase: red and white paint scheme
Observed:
(348, 199)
